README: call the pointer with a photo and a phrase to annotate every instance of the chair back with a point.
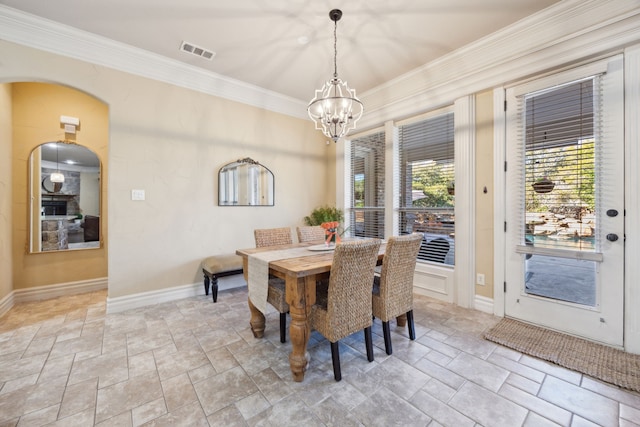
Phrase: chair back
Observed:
(91, 228)
(396, 276)
(436, 250)
(349, 294)
(310, 233)
(272, 236)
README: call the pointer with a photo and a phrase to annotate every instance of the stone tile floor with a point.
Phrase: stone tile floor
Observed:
(64, 362)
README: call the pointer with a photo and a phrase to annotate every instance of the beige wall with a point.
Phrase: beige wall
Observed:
(484, 201)
(36, 110)
(173, 151)
(6, 285)
(170, 142)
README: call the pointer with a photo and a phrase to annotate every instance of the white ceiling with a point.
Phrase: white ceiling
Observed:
(69, 154)
(259, 42)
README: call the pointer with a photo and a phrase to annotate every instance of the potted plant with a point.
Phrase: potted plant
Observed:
(451, 188)
(543, 185)
(324, 214)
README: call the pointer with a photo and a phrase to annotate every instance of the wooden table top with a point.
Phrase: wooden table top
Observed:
(314, 263)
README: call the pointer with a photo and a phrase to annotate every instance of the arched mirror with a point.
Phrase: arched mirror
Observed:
(65, 197)
(245, 182)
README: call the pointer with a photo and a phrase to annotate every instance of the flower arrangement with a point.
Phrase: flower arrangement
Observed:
(331, 232)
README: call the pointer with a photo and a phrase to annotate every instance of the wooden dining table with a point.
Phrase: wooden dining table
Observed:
(300, 275)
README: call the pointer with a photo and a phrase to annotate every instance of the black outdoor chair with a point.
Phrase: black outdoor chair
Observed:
(435, 250)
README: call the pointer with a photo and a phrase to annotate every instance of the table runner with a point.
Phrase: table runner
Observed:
(258, 276)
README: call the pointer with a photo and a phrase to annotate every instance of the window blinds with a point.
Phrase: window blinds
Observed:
(427, 179)
(560, 129)
(367, 186)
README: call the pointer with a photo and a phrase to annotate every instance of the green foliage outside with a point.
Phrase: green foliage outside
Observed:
(433, 180)
(572, 169)
(358, 191)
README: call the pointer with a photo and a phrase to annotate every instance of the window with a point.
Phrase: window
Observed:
(427, 180)
(560, 137)
(560, 132)
(367, 186)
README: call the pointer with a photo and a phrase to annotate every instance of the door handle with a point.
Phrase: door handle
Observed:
(612, 237)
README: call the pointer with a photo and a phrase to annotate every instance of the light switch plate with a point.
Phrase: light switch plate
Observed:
(137, 194)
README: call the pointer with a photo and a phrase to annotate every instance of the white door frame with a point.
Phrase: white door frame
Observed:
(500, 252)
(632, 199)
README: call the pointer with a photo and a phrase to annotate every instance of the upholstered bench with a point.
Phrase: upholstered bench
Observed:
(219, 266)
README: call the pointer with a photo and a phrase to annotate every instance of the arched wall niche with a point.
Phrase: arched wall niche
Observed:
(35, 119)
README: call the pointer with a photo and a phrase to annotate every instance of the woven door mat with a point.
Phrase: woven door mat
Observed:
(596, 360)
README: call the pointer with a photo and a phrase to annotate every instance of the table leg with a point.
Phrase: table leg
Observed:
(257, 320)
(301, 295)
(257, 317)
(401, 320)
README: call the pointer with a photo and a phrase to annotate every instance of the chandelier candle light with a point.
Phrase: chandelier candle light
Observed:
(335, 109)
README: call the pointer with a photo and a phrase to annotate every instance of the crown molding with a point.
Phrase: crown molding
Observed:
(39, 33)
(568, 32)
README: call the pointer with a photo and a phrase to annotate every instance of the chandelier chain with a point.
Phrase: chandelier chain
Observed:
(335, 49)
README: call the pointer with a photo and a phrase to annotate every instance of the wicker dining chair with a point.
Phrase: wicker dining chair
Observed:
(314, 233)
(347, 306)
(277, 289)
(393, 289)
(310, 233)
(272, 236)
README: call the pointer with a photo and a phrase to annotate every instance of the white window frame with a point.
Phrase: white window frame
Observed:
(455, 285)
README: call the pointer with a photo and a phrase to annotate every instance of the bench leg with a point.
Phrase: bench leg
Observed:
(206, 284)
(214, 287)
(211, 280)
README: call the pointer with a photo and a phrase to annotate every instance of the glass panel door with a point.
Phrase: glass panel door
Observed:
(565, 202)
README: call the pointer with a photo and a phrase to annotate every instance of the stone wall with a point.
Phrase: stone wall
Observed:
(71, 186)
(549, 223)
(54, 235)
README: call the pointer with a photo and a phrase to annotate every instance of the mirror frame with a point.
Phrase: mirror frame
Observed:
(235, 176)
(40, 187)
(51, 187)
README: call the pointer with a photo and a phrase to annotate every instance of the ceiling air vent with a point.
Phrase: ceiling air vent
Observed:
(197, 50)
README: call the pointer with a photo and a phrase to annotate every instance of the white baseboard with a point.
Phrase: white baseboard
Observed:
(480, 303)
(128, 302)
(6, 304)
(231, 282)
(59, 290)
(40, 293)
(483, 304)
(114, 305)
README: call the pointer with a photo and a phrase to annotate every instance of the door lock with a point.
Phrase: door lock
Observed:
(612, 213)
(612, 237)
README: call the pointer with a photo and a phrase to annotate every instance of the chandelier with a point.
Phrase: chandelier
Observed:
(335, 109)
(57, 176)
